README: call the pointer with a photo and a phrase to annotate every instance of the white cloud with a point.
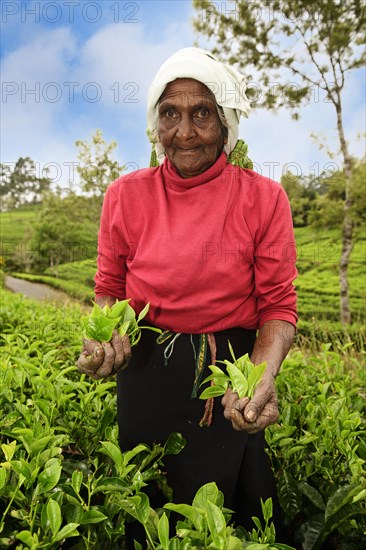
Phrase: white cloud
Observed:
(125, 58)
(117, 54)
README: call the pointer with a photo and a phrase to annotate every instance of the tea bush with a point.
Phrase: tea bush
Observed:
(64, 483)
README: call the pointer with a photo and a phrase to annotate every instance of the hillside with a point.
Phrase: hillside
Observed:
(15, 224)
(317, 284)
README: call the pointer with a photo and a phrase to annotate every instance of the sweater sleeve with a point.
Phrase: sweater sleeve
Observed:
(275, 263)
(110, 279)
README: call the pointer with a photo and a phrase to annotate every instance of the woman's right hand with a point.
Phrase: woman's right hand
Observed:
(103, 359)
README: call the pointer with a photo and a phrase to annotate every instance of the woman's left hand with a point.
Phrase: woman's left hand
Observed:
(253, 415)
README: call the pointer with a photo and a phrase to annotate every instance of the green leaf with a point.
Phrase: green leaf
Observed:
(312, 494)
(360, 496)
(231, 350)
(143, 508)
(340, 498)
(193, 513)
(289, 495)
(118, 309)
(39, 444)
(123, 328)
(239, 382)
(207, 493)
(49, 477)
(267, 509)
(255, 376)
(74, 513)
(111, 484)
(99, 328)
(110, 449)
(129, 314)
(312, 531)
(174, 444)
(163, 531)
(212, 391)
(76, 480)
(68, 531)
(143, 313)
(3, 476)
(21, 467)
(128, 455)
(215, 519)
(28, 539)
(233, 543)
(9, 450)
(92, 516)
(54, 516)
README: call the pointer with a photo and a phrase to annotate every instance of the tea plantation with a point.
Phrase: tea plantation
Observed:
(64, 483)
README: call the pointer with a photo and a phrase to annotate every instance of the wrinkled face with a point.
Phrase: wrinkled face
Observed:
(189, 126)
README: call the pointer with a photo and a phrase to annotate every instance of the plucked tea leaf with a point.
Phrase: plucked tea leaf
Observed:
(255, 377)
(129, 314)
(99, 328)
(118, 309)
(240, 383)
(143, 313)
(213, 391)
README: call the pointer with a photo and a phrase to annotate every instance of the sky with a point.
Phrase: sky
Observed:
(72, 66)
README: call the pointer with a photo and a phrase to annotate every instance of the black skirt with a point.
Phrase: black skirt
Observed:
(154, 400)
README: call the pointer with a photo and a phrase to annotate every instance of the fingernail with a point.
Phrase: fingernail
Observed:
(250, 416)
(98, 351)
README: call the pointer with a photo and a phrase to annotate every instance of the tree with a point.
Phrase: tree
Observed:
(67, 225)
(301, 193)
(20, 184)
(64, 231)
(315, 42)
(98, 169)
(327, 209)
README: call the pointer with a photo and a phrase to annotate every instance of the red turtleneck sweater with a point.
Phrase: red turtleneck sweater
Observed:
(209, 253)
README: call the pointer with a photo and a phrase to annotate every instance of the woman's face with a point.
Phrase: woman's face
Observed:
(189, 126)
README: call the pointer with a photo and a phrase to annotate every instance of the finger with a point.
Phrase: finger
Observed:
(233, 403)
(228, 401)
(268, 416)
(107, 367)
(126, 350)
(229, 397)
(264, 393)
(117, 345)
(91, 360)
(90, 345)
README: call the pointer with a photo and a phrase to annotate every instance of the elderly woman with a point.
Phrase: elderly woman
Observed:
(210, 245)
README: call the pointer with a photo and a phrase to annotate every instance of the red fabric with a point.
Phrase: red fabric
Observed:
(209, 253)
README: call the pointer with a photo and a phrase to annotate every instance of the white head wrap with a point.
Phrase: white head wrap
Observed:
(226, 83)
